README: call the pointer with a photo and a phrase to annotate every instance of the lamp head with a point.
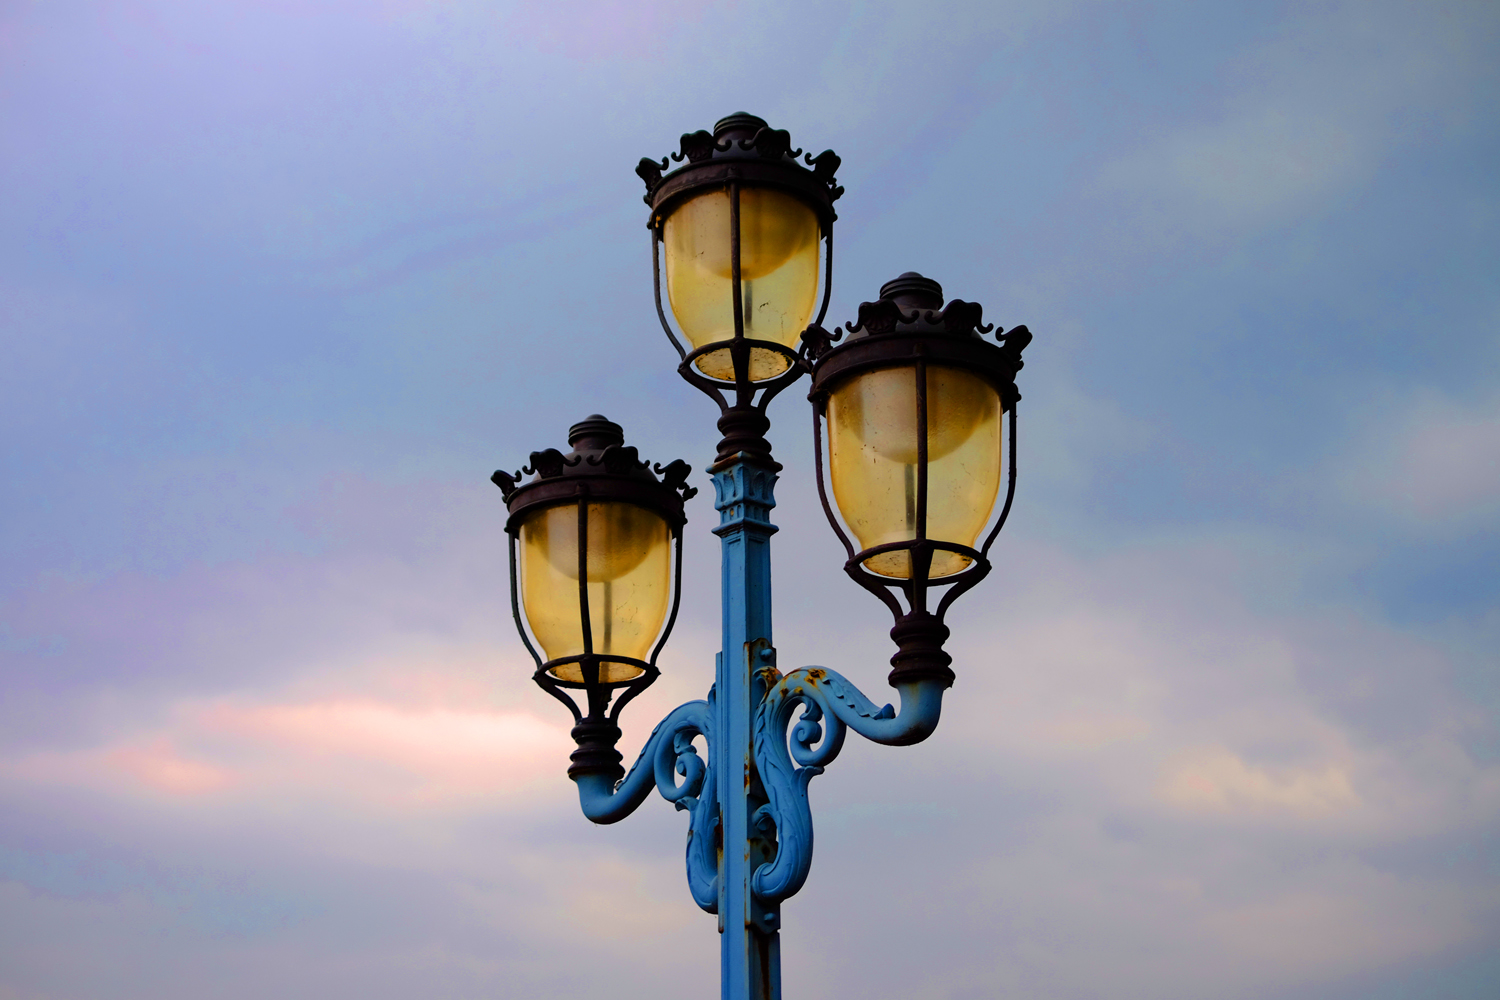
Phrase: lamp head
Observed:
(739, 226)
(914, 397)
(595, 555)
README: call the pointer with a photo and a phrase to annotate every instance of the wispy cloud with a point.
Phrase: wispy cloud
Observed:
(1434, 466)
(1295, 134)
(389, 755)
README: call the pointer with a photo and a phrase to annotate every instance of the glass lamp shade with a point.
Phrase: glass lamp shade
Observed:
(628, 564)
(873, 434)
(779, 236)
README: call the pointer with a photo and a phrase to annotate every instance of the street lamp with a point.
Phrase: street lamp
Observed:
(739, 225)
(913, 401)
(596, 541)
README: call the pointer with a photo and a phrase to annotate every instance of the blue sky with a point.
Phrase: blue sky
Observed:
(281, 283)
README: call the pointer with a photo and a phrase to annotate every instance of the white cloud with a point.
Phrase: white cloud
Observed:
(1152, 765)
(1348, 916)
(1436, 467)
(1218, 780)
(342, 751)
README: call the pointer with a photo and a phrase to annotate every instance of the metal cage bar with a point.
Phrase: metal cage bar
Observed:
(919, 562)
(656, 237)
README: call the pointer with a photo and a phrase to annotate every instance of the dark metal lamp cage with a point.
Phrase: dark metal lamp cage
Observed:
(735, 237)
(595, 567)
(913, 400)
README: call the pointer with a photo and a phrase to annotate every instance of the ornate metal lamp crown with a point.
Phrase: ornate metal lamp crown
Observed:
(741, 147)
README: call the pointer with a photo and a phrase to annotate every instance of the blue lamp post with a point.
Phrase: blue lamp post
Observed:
(910, 401)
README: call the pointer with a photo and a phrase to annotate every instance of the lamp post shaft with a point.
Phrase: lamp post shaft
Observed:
(749, 940)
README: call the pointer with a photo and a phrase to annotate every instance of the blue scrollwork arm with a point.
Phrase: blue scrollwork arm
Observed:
(669, 753)
(788, 756)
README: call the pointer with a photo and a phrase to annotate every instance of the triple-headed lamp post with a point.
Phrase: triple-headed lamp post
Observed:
(910, 399)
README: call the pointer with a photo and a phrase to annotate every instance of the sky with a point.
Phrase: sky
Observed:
(281, 283)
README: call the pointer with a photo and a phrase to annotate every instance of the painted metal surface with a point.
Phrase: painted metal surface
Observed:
(750, 832)
(749, 943)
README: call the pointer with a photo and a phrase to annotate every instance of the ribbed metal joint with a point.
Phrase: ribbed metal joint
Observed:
(744, 429)
(596, 753)
(919, 651)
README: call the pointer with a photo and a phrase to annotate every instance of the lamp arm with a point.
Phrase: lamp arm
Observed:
(668, 749)
(669, 752)
(788, 756)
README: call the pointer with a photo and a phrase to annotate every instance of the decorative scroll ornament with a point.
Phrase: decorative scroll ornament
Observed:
(790, 750)
(698, 146)
(883, 316)
(825, 165)
(817, 341)
(548, 464)
(668, 753)
(675, 476)
(614, 459)
(771, 144)
(506, 481)
(790, 754)
(650, 171)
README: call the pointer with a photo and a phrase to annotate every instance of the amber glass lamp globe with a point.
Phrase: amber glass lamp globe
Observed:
(778, 263)
(874, 453)
(915, 400)
(596, 542)
(627, 569)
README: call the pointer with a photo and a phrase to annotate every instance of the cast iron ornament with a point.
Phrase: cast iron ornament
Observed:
(741, 147)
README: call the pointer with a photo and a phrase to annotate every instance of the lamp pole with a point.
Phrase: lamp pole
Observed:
(913, 399)
(749, 943)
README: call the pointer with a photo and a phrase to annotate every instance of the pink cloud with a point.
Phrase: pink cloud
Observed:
(1218, 780)
(153, 764)
(363, 749)
(157, 764)
(446, 746)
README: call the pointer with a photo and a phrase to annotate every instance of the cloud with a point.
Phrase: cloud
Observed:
(433, 752)
(1158, 762)
(266, 727)
(1292, 134)
(157, 764)
(1436, 468)
(388, 755)
(1141, 749)
(1218, 780)
(1349, 916)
